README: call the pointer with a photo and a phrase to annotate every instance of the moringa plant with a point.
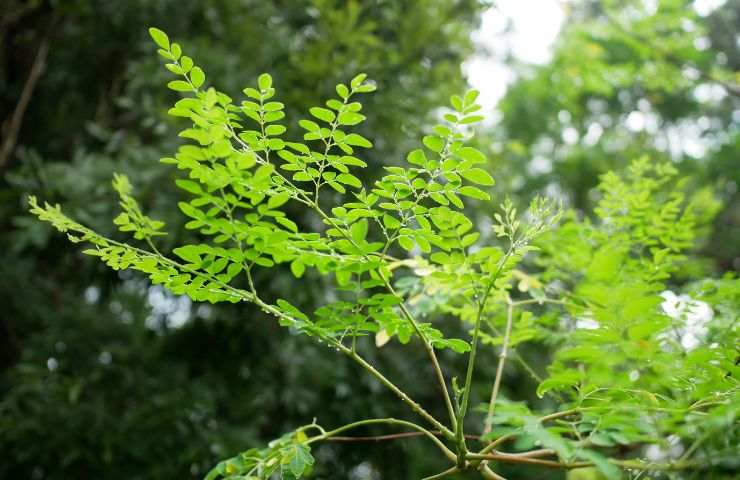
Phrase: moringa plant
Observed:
(402, 251)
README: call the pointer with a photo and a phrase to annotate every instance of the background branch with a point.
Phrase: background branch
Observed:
(12, 126)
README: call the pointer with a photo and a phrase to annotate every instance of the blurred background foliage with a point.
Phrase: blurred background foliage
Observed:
(102, 376)
(630, 79)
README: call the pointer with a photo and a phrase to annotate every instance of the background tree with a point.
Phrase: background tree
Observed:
(627, 79)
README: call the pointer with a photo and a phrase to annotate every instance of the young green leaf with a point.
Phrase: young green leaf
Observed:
(197, 77)
(160, 38)
(479, 176)
(264, 81)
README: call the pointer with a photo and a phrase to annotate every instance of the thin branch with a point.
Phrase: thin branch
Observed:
(254, 298)
(556, 415)
(497, 442)
(632, 464)
(517, 356)
(505, 458)
(427, 344)
(476, 333)
(489, 474)
(544, 452)
(401, 394)
(389, 421)
(538, 301)
(446, 473)
(392, 436)
(379, 438)
(364, 364)
(507, 437)
(10, 132)
(430, 352)
(697, 443)
(500, 368)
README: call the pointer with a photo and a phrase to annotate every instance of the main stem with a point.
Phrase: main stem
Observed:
(476, 332)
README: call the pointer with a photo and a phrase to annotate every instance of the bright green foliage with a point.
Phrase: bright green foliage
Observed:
(131, 219)
(407, 238)
(625, 362)
(289, 457)
(237, 192)
(623, 366)
(626, 371)
(87, 119)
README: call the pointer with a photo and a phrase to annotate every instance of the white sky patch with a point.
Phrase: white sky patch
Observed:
(530, 38)
(694, 314)
(685, 138)
(593, 134)
(709, 93)
(706, 7)
(540, 165)
(570, 136)
(635, 121)
(674, 449)
(587, 323)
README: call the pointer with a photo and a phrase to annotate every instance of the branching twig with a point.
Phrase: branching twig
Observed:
(632, 464)
(388, 421)
(313, 204)
(391, 386)
(446, 473)
(500, 368)
(392, 436)
(476, 332)
(505, 438)
(471, 358)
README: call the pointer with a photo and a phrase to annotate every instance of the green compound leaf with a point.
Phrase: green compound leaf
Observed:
(299, 459)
